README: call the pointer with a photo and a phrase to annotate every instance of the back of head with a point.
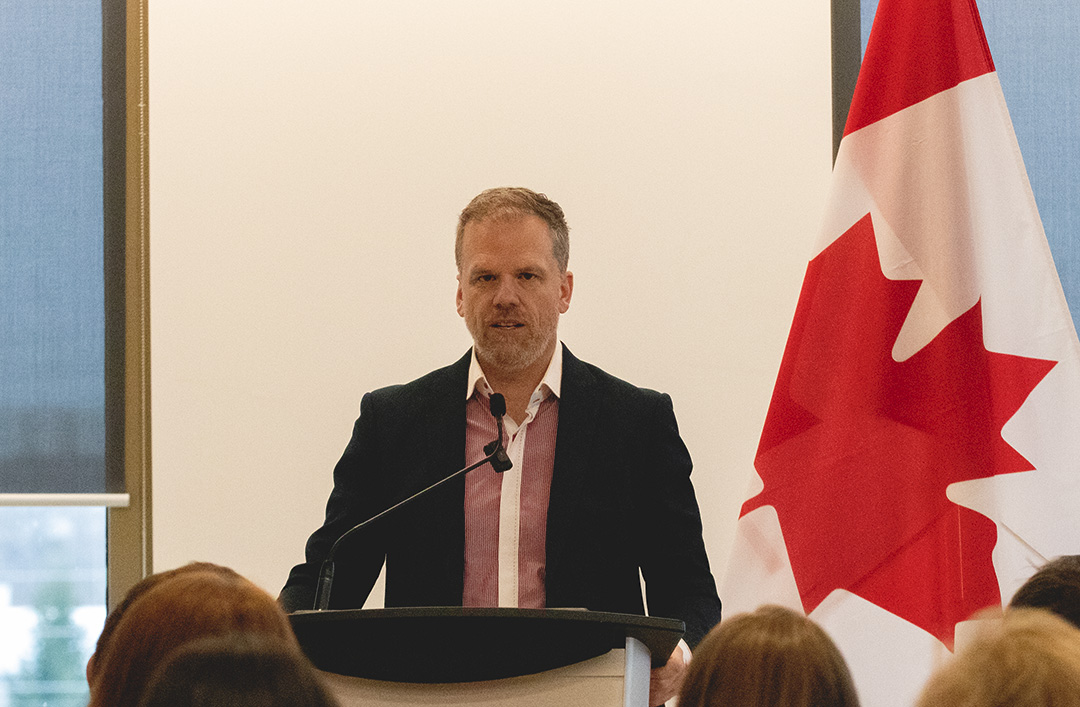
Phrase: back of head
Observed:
(515, 202)
(239, 670)
(141, 587)
(770, 657)
(1056, 587)
(1031, 658)
(177, 610)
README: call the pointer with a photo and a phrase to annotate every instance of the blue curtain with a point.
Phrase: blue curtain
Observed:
(52, 304)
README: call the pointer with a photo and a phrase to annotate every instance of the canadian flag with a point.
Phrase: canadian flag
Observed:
(921, 453)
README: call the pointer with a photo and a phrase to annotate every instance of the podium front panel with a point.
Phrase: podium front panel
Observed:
(598, 682)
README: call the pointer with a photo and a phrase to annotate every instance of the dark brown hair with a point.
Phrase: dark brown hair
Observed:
(176, 610)
(771, 657)
(509, 202)
(238, 670)
(1056, 587)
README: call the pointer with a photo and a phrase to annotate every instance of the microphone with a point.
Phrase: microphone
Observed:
(496, 456)
(500, 462)
(498, 407)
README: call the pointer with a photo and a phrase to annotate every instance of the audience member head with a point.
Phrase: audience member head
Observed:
(514, 202)
(1031, 658)
(1056, 587)
(178, 609)
(140, 588)
(771, 657)
(238, 670)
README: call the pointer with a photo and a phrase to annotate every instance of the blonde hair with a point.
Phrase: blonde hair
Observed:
(772, 656)
(511, 202)
(1031, 658)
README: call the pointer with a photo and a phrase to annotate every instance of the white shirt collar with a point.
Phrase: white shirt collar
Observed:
(551, 383)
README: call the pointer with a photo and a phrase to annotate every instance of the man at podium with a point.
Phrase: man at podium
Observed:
(600, 483)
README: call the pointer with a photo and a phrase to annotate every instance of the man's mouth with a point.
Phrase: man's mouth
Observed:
(507, 325)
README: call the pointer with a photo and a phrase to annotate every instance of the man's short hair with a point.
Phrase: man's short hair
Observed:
(510, 202)
(1056, 586)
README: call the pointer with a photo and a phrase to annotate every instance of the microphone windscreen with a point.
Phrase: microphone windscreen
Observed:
(498, 405)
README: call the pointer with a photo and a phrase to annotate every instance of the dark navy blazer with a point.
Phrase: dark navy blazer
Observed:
(621, 499)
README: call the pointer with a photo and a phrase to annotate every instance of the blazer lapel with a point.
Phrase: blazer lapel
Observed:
(444, 417)
(575, 445)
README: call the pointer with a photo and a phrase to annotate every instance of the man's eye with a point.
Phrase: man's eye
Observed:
(485, 278)
(527, 275)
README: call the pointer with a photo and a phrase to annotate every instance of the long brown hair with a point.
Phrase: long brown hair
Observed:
(771, 657)
(237, 670)
(141, 587)
(176, 610)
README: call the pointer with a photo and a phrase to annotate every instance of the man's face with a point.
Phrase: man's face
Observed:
(511, 292)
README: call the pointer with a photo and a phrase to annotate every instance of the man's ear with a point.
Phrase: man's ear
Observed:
(566, 291)
(458, 298)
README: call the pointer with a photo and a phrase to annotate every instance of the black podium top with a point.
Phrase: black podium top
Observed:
(456, 644)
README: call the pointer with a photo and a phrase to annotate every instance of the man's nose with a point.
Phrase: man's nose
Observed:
(506, 291)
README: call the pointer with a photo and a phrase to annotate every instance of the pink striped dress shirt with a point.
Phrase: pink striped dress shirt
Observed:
(506, 514)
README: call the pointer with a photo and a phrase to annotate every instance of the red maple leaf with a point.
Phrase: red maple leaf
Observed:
(858, 449)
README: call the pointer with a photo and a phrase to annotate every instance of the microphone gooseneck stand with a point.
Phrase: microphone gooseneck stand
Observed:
(496, 456)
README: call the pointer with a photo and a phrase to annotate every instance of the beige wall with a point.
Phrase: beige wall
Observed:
(308, 161)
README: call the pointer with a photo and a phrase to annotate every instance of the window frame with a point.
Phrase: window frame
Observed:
(846, 40)
(125, 85)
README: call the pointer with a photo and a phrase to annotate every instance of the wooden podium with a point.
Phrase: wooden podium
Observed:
(464, 656)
